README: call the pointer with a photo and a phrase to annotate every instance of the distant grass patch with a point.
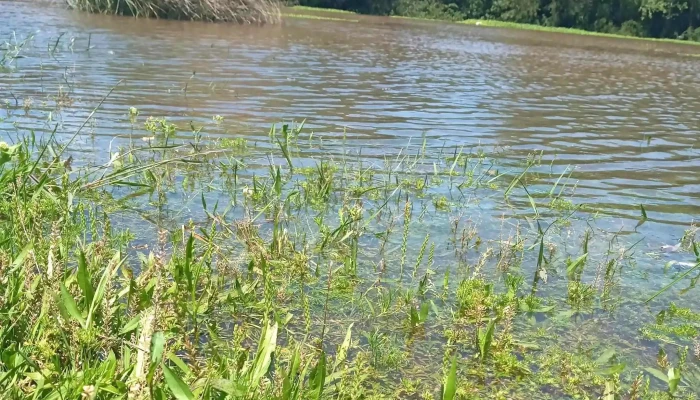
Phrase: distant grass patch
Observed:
(418, 18)
(333, 10)
(318, 17)
(533, 27)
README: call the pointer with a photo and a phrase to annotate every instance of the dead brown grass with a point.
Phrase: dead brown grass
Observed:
(240, 11)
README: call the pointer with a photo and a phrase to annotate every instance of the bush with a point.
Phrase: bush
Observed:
(692, 34)
(631, 28)
(604, 25)
(431, 9)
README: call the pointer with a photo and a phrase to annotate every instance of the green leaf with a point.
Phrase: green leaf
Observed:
(485, 339)
(342, 353)
(424, 309)
(180, 364)
(678, 278)
(268, 342)
(674, 377)
(113, 264)
(176, 385)
(70, 305)
(644, 212)
(157, 345)
(605, 357)
(189, 250)
(657, 374)
(575, 267)
(84, 278)
(317, 378)
(228, 387)
(515, 182)
(435, 309)
(20, 258)
(614, 369)
(290, 386)
(132, 325)
(415, 319)
(449, 390)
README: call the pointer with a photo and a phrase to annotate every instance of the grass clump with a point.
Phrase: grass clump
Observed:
(239, 11)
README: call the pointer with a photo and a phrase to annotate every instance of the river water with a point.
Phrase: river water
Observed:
(625, 113)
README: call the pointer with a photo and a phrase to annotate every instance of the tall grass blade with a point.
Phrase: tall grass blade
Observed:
(679, 278)
(266, 346)
(177, 386)
(318, 377)
(84, 278)
(70, 306)
(449, 388)
(515, 182)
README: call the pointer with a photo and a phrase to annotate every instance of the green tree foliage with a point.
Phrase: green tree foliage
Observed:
(678, 19)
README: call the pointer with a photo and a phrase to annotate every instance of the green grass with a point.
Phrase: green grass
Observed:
(533, 27)
(417, 18)
(317, 17)
(330, 10)
(495, 24)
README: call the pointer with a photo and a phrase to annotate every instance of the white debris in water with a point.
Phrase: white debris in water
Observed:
(684, 264)
(671, 249)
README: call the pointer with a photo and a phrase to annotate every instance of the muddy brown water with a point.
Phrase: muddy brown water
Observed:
(624, 113)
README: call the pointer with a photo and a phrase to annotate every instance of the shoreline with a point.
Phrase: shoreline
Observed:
(488, 23)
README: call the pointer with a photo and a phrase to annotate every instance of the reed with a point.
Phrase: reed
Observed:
(238, 11)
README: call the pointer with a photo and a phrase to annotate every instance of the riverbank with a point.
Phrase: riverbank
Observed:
(572, 31)
(492, 23)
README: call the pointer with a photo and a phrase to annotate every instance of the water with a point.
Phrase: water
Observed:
(623, 114)
(587, 102)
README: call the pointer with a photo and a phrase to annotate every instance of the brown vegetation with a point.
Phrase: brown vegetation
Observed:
(241, 11)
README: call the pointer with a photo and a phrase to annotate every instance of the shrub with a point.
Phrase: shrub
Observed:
(631, 28)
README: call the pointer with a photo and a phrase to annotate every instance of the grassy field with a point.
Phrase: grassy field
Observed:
(532, 27)
(330, 10)
(509, 25)
(317, 17)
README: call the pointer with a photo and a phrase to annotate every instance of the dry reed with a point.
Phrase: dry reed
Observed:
(239, 11)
